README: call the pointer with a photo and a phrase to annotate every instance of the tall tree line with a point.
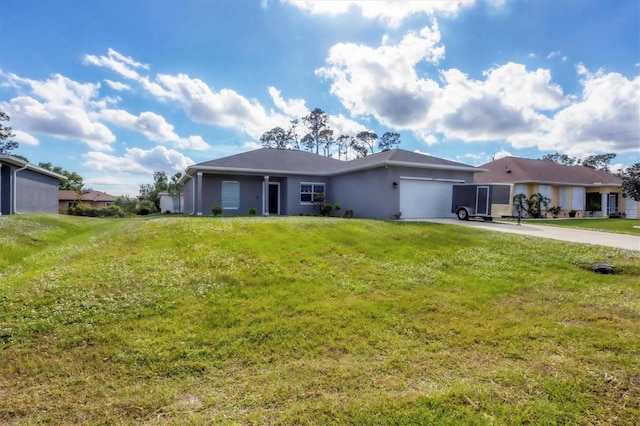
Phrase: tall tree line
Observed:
(320, 138)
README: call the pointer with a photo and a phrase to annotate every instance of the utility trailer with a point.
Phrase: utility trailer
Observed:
(487, 200)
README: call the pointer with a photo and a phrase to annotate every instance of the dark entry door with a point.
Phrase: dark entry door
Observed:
(482, 200)
(274, 198)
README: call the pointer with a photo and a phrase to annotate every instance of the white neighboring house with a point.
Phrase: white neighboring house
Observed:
(169, 204)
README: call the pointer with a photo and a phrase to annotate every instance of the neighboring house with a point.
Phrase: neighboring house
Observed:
(587, 191)
(95, 199)
(286, 182)
(169, 204)
(25, 188)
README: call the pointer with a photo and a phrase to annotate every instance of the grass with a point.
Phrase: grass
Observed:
(619, 226)
(171, 320)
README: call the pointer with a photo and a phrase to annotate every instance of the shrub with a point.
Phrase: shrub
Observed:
(325, 210)
(253, 211)
(216, 210)
(555, 211)
(348, 213)
(336, 207)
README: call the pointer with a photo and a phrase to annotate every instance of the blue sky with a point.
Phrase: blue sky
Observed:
(117, 90)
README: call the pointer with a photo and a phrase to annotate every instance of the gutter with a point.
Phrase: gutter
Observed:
(15, 188)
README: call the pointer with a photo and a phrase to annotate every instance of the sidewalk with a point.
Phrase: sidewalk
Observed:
(623, 241)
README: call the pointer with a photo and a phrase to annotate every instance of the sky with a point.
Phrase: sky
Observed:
(116, 90)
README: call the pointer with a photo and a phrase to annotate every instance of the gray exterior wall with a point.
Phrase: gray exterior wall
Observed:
(371, 194)
(35, 192)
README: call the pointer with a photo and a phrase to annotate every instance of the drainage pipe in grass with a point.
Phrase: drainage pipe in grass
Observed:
(15, 188)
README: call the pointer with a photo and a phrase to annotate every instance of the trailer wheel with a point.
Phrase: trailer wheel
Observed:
(462, 214)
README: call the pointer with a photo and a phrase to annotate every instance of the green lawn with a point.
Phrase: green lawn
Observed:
(172, 320)
(620, 226)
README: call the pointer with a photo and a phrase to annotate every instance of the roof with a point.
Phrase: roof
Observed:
(267, 161)
(526, 170)
(94, 196)
(8, 159)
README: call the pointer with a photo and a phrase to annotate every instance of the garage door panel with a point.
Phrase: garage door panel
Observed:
(425, 199)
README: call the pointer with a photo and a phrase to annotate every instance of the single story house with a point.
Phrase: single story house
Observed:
(95, 199)
(26, 188)
(583, 190)
(393, 183)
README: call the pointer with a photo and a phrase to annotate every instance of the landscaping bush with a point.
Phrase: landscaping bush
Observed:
(253, 211)
(216, 210)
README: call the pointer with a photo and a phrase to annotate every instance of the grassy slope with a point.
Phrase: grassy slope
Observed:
(620, 226)
(307, 320)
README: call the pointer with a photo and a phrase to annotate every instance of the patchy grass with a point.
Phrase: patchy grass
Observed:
(172, 320)
(616, 225)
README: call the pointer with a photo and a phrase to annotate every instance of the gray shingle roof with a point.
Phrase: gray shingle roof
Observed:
(524, 170)
(276, 161)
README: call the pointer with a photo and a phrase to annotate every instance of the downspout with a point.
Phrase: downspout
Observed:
(15, 188)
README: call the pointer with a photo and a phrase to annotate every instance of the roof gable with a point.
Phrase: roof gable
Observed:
(94, 196)
(14, 161)
(524, 170)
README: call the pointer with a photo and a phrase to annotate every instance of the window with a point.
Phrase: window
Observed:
(311, 192)
(563, 197)
(230, 195)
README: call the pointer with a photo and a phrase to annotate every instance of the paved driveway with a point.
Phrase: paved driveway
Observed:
(629, 242)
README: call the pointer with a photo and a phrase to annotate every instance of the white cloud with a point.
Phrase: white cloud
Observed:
(24, 138)
(392, 12)
(382, 81)
(139, 161)
(153, 126)
(59, 120)
(58, 90)
(123, 65)
(295, 108)
(118, 86)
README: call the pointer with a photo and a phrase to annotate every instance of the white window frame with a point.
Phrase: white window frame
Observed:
(578, 198)
(563, 197)
(230, 195)
(313, 192)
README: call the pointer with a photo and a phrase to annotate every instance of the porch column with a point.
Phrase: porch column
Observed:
(198, 199)
(265, 196)
(604, 205)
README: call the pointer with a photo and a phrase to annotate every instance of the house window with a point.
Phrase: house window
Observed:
(230, 195)
(311, 192)
(563, 197)
(577, 198)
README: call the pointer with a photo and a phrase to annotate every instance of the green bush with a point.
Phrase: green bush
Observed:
(216, 210)
(325, 210)
(253, 211)
(348, 213)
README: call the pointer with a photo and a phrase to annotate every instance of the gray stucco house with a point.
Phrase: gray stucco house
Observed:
(285, 182)
(25, 188)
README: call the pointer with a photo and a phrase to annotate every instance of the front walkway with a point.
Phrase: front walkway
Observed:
(623, 241)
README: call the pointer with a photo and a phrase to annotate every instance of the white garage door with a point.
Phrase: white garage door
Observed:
(425, 198)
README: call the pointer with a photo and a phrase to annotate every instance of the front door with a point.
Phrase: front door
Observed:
(613, 204)
(482, 200)
(274, 198)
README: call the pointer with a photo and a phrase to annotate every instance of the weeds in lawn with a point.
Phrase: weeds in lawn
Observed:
(174, 320)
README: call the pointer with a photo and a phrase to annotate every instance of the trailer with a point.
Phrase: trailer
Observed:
(482, 200)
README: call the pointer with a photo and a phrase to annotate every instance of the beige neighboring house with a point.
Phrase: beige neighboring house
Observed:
(97, 199)
(581, 190)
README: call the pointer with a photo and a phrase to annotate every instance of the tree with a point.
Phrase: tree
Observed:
(149, 192)
(368, 139)
(561, 159)
(276, 138)
(631, 181)
(599, 162)
(74, 181)
(359, 147)
(389, 140)
(532, 205)
(344, 142)
(6, 145)
(317, 122)
(293, 134)
(326, 139)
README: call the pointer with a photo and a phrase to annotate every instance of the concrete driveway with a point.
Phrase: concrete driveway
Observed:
(623, 241)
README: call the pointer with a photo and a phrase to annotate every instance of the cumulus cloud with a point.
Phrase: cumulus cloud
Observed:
(153, 126)
(24, 138)
(391, 12)
(382, 81)
(118, 86)
(59, 120)
(138, 161)
(291, 107)
(605, 119)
